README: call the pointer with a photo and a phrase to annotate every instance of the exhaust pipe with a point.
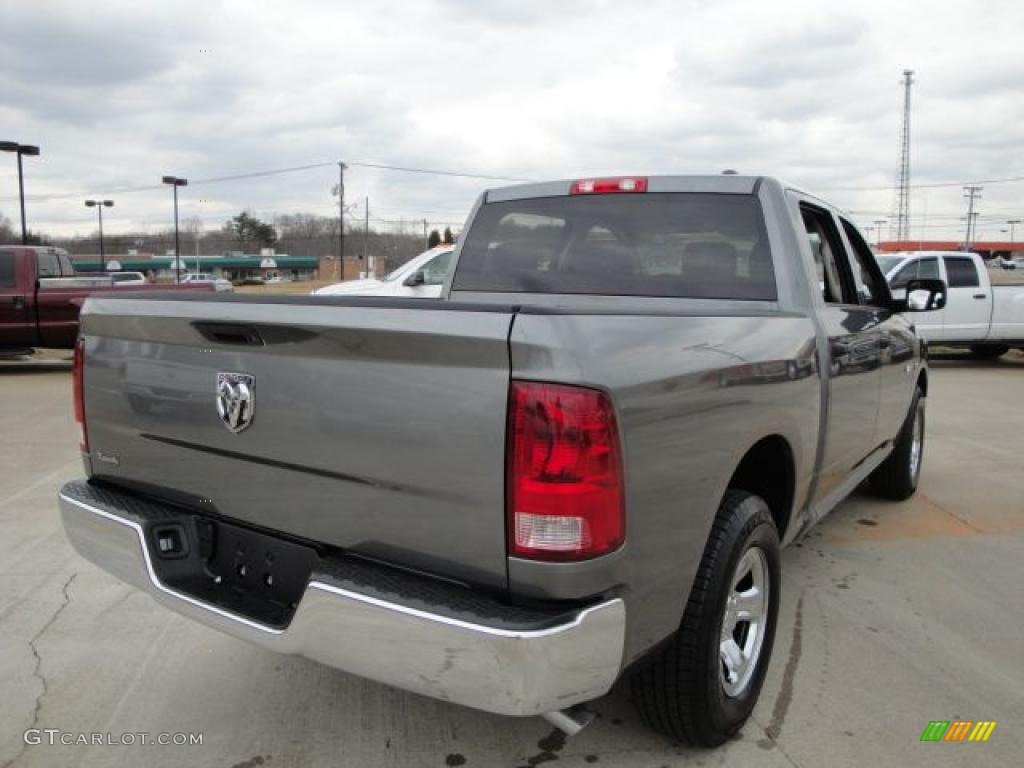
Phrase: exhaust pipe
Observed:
(570, 721)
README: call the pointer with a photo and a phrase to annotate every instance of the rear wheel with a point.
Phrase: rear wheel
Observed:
(896, 477)
(989, 351)
(703, 685)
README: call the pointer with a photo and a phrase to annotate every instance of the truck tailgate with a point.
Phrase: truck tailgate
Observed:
(375, 427)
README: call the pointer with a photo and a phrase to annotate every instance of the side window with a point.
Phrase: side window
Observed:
(907, 273)
(49, 266)
(436, 270)
(929, 268)
(918, 268)
(830, 260)
(6, 270)
(961, 272)
(67, 269)
(870, 283)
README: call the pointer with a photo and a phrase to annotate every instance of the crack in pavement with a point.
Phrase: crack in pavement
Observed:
(934, 504)
(769, 743)
(36, 671)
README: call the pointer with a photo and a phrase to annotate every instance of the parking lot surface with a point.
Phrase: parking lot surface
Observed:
(893, 615)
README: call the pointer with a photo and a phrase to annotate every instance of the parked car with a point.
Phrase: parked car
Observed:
(420, 277)
(218, 283)
(578, 464)
(984, 310)
(128, 278)
(41, 295)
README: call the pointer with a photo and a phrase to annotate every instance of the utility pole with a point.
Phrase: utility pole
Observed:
(1013, 223)
(903, 174)
(972, 192)
(366, 231)
(341, 220)
(426, 237)
(878, 223)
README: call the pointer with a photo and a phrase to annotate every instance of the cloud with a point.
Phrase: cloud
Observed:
(118, 95)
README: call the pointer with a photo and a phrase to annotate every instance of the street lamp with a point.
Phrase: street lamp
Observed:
(19, 150)
(1013, 224)
(99, 205)
(878, 223)
(175, 182)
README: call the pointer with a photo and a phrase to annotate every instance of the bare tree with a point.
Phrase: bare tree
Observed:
(6, 231)
(193, 226)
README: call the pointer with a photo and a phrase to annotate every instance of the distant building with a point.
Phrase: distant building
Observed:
(987, 249)
(232, 266)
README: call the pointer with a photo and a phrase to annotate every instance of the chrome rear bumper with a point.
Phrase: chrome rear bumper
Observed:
(476, 663)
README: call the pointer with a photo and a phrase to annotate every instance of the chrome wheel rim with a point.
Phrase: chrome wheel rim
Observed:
(916, 444)
(744, 622)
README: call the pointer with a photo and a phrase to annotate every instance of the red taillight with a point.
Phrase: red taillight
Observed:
(565, 485)
(609, 185)
(78, 384)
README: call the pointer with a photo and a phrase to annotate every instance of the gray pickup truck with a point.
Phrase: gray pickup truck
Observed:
(579, 463)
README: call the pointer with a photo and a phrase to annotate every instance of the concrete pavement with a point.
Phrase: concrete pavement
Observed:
(893, 615)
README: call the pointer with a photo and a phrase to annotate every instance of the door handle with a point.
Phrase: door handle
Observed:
(18, 302)
(979, 295)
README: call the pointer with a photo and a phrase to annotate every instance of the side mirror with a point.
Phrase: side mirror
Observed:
(416, 278)
(923, 295)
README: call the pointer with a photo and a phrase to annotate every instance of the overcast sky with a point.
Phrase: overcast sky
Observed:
(118, 94)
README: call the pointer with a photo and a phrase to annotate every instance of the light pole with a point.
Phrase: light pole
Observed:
(175, 182)
(1013, 223)
(341, 220)
(99, 205)
(878, 223)
(19, 150)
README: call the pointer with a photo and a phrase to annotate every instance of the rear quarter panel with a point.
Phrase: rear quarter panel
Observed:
(1007, 312)
(693, 394)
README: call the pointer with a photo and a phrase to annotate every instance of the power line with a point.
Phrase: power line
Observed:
(434, 172)
(935, 185)
(279, 172)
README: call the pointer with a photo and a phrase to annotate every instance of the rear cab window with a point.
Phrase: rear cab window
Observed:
(6, 270)
(961, 272)
(662, 244)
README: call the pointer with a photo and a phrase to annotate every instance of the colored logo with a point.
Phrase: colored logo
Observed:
(958, 730)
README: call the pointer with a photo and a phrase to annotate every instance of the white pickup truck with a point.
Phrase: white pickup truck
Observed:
(983, 311)
(422, 277)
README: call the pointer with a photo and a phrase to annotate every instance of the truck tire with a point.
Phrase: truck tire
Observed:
(896, 477)
(989, 351)
(696, 689)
